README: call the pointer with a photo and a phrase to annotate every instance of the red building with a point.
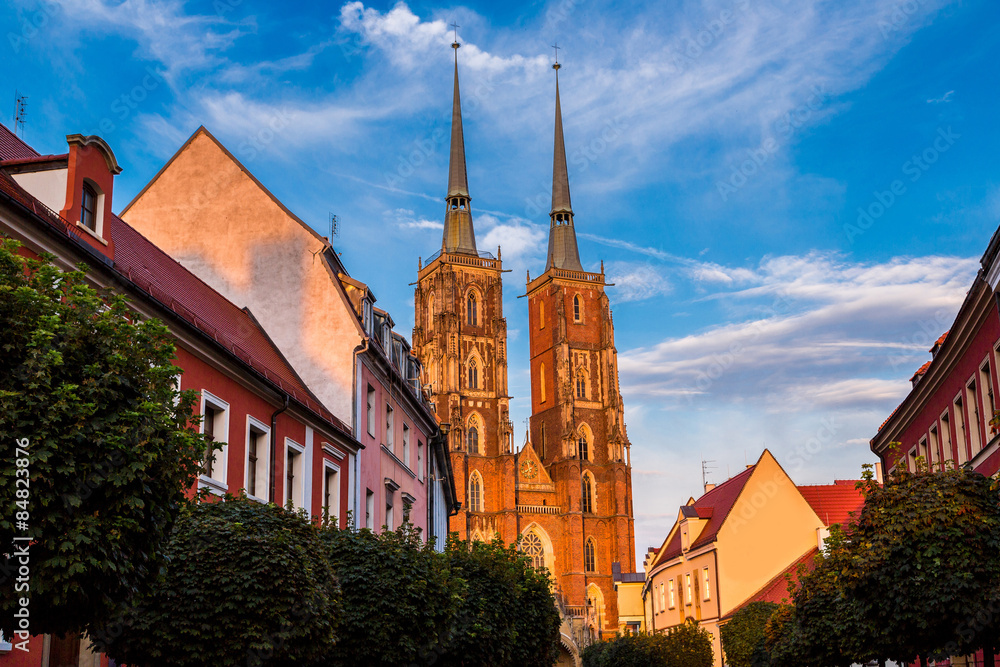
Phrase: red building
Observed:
(281, 443)
(949, 417)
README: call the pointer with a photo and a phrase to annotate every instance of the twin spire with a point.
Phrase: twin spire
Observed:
(459, 234)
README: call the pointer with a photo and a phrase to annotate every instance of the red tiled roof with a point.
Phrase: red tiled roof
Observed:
(11, 146)
(834, 503)
(717, 503)
(920, 371)
(776, 590)
(179, 290)
(940, 341)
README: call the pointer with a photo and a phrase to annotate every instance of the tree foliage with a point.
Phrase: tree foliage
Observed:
(246, 584)
(508, 615)
(743, 635)
(401, 598)
(686, 645)
(923, 541)
(88, 389)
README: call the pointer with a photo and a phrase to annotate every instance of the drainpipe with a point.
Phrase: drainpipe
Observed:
(274, 446)
(358, 351)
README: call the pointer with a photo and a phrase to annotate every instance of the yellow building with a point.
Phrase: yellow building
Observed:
(628, 588)
(729, 545)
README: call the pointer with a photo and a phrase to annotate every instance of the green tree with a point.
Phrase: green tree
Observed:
(686, 645)
(246, 584)
(97, 449)
(508, 615)
(929, 541)
(401, 597)
(743, 635)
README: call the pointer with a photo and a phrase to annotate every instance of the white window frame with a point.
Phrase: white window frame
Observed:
(420, 460)
(217, 482)
(333, 508)
(705, 596)
(299, 473)
(671, 594)
(688, 589)
(406, 445)
(370, 410)
(263, 482)
(369, 509)
(390, 426)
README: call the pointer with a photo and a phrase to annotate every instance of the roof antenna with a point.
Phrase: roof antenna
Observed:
(334, 226)
(20, 112)
(705, 468)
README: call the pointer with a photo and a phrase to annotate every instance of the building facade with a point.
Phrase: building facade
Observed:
(566, 494)
(207, 210)
(279, 442)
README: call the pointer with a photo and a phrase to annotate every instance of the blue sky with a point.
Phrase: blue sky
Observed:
(721, 155)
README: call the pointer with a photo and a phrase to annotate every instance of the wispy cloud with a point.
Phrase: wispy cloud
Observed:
(943, 99)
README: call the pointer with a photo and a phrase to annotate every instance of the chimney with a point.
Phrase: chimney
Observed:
(709, 486)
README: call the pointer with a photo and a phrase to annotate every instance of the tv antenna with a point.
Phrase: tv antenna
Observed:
(20, 112)
(334, 226)
(706, 467)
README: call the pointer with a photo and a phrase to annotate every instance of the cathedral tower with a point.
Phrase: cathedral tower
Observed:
(460, 336)
(577, 427)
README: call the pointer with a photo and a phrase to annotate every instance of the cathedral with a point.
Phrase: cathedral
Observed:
(566, 495)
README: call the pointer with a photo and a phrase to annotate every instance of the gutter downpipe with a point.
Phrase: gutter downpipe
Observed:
(358, 351)
(274, 446)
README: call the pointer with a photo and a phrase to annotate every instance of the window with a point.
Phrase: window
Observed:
(542, 438)
(369, 509)
(370, 411)
(475, 493)
(587, 502)
(576, 308)
(257, 459)
(989, 405)
(972, 401)
(583, 448)
(588, 555)
(388, 427)
(420, 460)
(935, 447)
(406, 445)
(673, 602)
(531, 546)
(960, 435)
(294, 477)
(541, 314)
(88, 208)
(922, 451)
(473, 375)
(430, 310)
(581, 385)
(473, 440)
(331, 492)
(215, 425)
(687, 588)
(472, 316)
(388, 513)
(704, 581)
(541, 382)
(661, 597)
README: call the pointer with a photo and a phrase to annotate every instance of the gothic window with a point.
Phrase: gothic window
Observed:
(542, 451)
(576, 308)
(473, 440)
(583, 447)
(587, 502)
(531, 546)
(430, 311)
(589, 563)
(581, 384)
(475, 493)
(472, 317)
(473, 375)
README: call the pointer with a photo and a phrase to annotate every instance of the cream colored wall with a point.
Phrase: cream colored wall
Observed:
(209, 215)
(770, 527)
(47, 186)
(630, 607)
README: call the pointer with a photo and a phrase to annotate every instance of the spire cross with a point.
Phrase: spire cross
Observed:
(556, 47)
(455, 27)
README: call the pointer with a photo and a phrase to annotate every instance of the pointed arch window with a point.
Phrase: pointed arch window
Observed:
(531, 546)
(473, 375)
(581, 384)
(589, 562)
(473, 440)
(472, 316)
(475, 493)
(587, 499)
(583, 447)
(577, 308)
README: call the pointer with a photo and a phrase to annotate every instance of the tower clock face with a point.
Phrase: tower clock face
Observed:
(529, 469)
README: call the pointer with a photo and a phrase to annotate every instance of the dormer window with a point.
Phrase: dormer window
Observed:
(88, 208)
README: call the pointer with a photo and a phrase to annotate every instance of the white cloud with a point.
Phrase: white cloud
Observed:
(943, 99)
(636, 282)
